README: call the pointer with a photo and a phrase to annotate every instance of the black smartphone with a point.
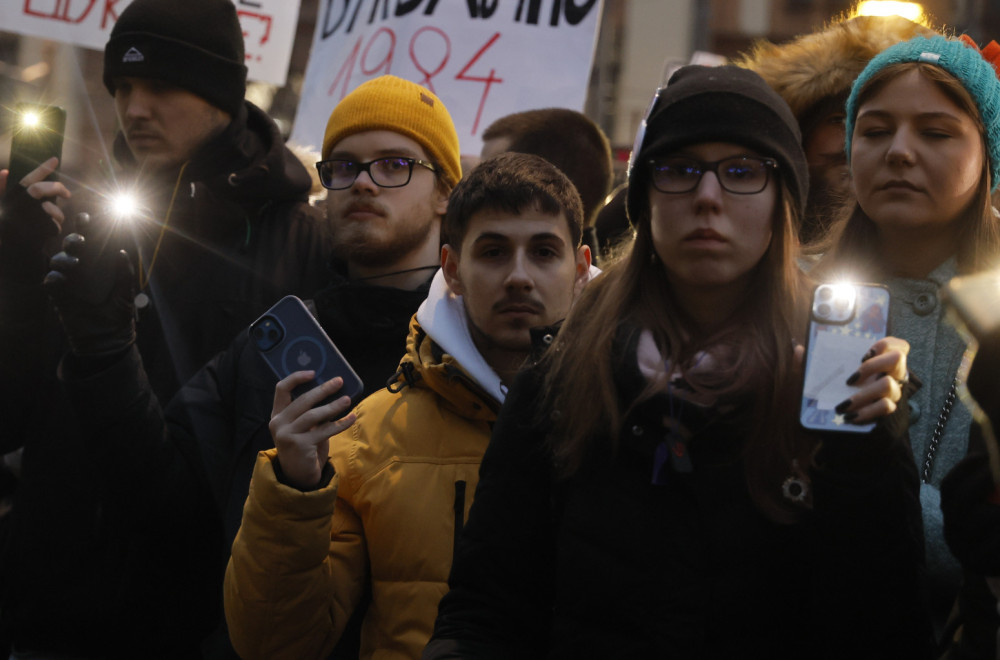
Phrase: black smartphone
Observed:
(36, 135)
(290, 339)
(844, 321)
(973, 303)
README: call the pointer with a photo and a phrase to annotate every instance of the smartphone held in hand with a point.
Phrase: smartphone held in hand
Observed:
(844, 321)
(290, 339)
(36, 136)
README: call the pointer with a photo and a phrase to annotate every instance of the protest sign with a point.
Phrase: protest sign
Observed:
(268, 27)
(484, 59)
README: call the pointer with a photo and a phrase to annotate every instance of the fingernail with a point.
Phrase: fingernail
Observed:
(850, 417)
(853, 378)
(869, 354)
(842, 406)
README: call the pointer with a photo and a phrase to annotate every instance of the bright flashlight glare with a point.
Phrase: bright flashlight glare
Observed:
(913, 11)
(30, 119)
(124, 205)
(843, 294)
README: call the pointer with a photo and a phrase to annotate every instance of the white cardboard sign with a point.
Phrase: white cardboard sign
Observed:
(483, 58)
(268, 27)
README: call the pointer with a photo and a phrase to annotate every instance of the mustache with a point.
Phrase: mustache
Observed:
(525, 304)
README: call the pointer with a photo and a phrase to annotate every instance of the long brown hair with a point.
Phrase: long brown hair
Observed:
(852, 244)
(580, 383)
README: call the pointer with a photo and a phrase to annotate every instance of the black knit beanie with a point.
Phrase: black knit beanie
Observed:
(194, 44)
(720, 104)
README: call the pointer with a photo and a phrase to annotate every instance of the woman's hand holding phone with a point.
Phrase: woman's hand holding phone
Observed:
(879, 379)
(301, 428)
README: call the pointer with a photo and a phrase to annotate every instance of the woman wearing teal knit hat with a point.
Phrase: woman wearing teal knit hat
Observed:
(923, 145)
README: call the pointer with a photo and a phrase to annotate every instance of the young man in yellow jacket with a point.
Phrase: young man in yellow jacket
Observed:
(382, 502)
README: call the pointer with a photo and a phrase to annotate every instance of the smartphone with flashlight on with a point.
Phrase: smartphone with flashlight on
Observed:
(37, 135)
(845, 319)
(290, 339)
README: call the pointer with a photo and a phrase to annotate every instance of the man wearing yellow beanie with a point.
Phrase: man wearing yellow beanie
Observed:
(390, 160)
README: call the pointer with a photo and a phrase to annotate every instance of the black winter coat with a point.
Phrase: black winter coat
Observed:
(608, 564)
(98, 557)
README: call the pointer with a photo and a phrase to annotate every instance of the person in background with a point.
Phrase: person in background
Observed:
(923, 147)
(647, 491)
(814, 73)
(224, 228)
(569, 140)
(383, 501)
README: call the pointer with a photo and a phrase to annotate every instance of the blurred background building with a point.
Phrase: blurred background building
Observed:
(639, 40)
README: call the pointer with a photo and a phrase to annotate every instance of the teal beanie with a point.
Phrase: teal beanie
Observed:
(964, 62)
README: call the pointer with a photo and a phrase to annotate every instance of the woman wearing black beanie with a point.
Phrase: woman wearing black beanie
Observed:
(647, 491)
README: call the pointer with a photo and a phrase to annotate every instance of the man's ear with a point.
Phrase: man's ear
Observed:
(449, 267)
(440, 200)
(582, 269)
(583, 259)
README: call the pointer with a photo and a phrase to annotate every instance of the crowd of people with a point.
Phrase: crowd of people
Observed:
(566, 445)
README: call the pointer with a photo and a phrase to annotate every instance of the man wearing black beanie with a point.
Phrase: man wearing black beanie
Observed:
(88, 567)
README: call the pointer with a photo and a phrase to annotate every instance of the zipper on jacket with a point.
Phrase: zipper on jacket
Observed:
(459, 514)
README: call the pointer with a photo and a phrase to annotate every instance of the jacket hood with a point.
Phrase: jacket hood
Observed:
(442, 317)
(824, 64)
(248, 160)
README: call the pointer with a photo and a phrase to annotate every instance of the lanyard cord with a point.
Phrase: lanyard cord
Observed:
(144, 275)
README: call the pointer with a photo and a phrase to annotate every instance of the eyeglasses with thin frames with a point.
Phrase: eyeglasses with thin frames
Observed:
(393, 172)
(740, 175)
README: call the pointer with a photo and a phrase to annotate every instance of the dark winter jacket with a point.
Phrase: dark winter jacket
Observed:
(608, 564)
(101, 556)
(240, 235)
(970, 500)
(186, 468)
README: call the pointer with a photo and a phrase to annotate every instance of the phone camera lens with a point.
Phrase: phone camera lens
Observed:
(272, 334)
(823, 310)
(824, 293)
(258, 333)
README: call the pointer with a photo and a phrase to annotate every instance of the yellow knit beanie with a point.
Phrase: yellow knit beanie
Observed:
(390, 103)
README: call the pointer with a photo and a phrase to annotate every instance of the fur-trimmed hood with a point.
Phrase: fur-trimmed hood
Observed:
(823, 64)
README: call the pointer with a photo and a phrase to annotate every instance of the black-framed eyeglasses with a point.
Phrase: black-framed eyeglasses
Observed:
(740, 175)
(393, 172)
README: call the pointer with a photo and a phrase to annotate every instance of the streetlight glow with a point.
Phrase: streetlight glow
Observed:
(913, 11)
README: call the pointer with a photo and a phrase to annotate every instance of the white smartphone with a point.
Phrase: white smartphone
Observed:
(844, 321)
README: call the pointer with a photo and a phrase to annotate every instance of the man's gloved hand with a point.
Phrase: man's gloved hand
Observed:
(92, 284)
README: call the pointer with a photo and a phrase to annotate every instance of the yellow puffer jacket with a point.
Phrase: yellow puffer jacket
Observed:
(405, 475)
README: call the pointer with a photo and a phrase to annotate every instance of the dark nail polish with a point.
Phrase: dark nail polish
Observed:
(850, 417)
(870, 354)
(853, 378)
(882, 375)
(842, 406)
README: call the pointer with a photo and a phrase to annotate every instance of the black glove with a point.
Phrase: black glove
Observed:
(24, 229)
(92, 284)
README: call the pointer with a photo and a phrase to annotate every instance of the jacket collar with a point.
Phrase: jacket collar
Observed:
(442, 316)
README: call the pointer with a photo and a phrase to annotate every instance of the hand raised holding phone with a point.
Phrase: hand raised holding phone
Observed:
(35, 152)
(301, 428)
